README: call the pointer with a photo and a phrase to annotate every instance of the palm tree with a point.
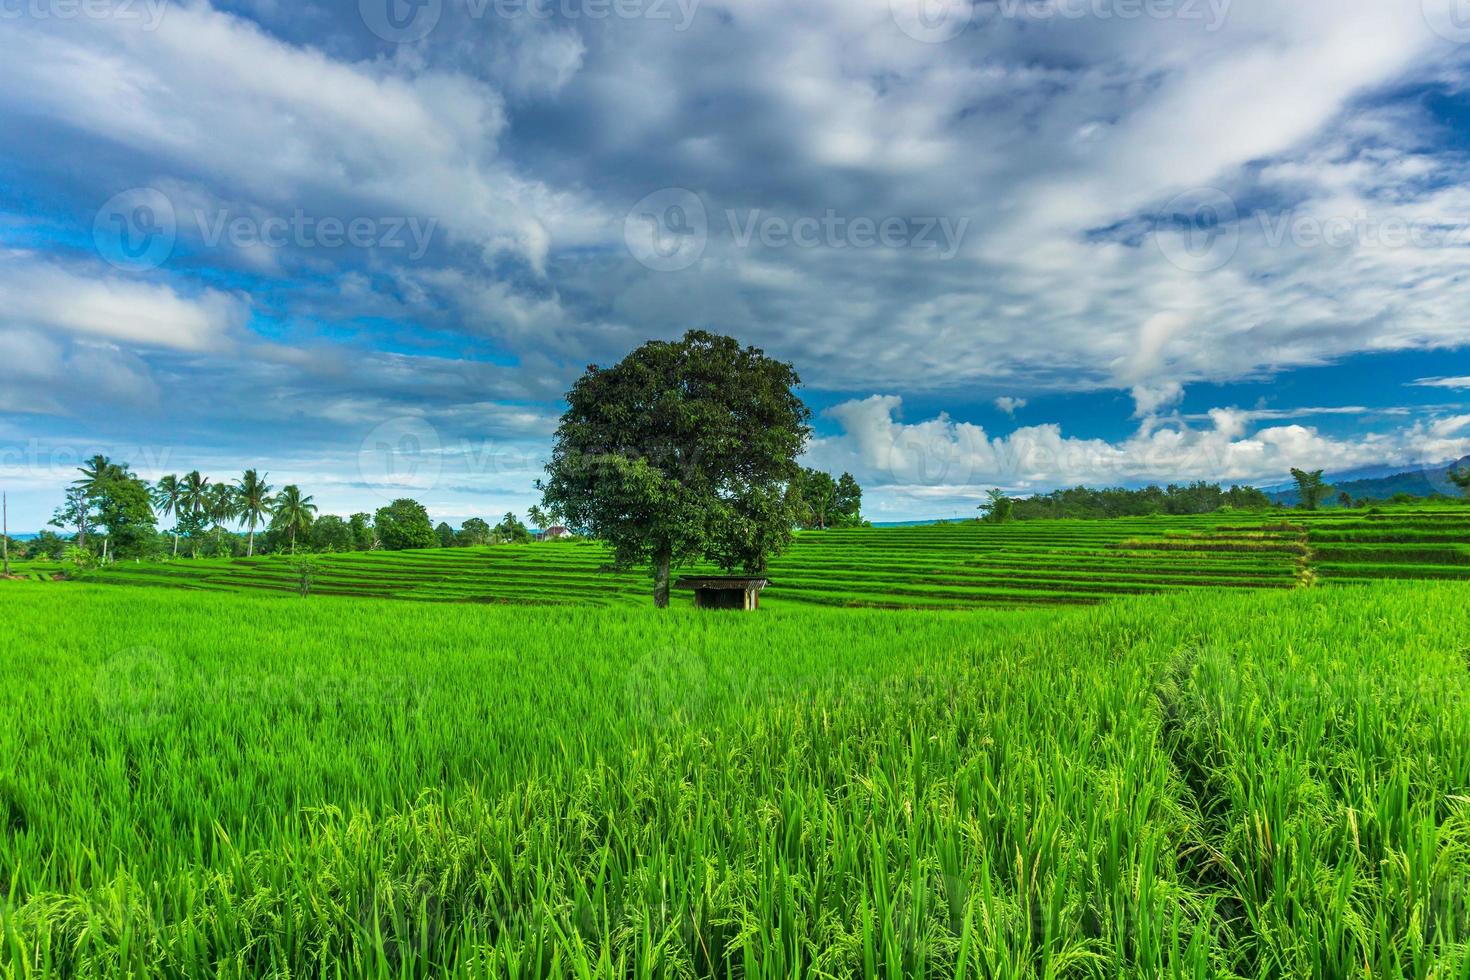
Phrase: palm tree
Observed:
(95, 474)
(254, 497)
(293, 511)
(195, 503)
(221, 505)
(168, 497)
(196, 493)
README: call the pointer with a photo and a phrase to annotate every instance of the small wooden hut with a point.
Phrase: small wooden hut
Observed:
(725, 592)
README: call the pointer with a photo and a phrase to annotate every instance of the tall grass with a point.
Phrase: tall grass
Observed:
(215, 785)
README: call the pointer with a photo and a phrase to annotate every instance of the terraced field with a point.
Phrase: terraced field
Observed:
(945, 566)
(935, 567)
(39, 570)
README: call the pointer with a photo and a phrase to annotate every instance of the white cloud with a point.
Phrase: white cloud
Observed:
(42, 295)
(1455, 383)
(1149, 399)
(1010, 405)
(940, 457)
(61, 375)
(212, 96)
(1059, 142)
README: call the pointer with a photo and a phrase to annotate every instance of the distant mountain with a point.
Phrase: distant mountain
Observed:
(1428, 481)
(1375, 472)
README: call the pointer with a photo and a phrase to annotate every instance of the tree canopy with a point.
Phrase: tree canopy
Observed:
(1086, 503)
(1461, 478)
(685, 450)
(824, 502)
(404, 525)
(997, 507)
(1311, 488)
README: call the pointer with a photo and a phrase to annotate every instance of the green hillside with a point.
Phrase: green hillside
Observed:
(937, 566)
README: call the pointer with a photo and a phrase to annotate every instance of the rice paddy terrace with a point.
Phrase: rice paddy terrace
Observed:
(934, 567)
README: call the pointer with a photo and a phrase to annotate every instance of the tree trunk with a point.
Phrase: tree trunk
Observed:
(293, 539)
(661, 582)
(250, 552)
(176, 545)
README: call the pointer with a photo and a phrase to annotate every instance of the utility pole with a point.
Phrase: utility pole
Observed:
(5, 530)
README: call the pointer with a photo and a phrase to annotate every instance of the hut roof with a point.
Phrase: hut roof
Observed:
(722, 582)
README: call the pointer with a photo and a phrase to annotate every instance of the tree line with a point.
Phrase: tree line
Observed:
(1085, 503)
(112, 513)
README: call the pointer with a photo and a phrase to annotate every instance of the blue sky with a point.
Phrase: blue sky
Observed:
(1020, 243)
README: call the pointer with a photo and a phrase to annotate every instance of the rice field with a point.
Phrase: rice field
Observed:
(956, 566)
(36, 570)
(1243, 783)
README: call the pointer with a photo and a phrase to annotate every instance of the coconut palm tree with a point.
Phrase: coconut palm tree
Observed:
(221, 505)
(254, 497)
(222, 509)
(168, 497)
(196, 493)
(293, 512)
(95, 474)
(195, 504)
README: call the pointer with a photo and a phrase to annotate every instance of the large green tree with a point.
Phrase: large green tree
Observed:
(1311, 488)
(510, 530)
(849, 502)
(997, 507)
(404, 525)
(112, 489)
(685, 450)
(330, 533)
(475, 531)
(445, 534)
(364, 538)
(125, 508)
(824, 502)
(818, 493)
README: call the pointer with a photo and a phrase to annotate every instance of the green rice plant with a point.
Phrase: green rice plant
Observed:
(1329, 769)
(1219, 783)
